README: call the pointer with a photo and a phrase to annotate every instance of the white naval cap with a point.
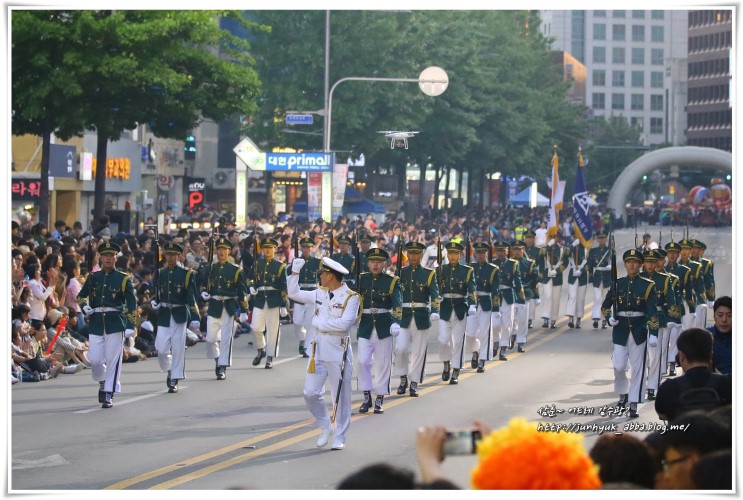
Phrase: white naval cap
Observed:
(332, 265)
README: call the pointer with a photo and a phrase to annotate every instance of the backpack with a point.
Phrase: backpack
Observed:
(699, 398)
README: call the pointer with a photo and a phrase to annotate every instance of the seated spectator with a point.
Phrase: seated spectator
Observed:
(624, 459)
(67, 349)
(383, 476)
(713, 471)
(722, 333)
(695, 356)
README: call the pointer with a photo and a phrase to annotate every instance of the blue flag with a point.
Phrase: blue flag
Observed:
(581, 202)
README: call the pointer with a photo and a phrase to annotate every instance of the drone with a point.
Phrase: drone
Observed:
(397, 137)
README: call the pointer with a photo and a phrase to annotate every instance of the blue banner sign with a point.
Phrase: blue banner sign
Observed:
(299, 119)
(300, 162)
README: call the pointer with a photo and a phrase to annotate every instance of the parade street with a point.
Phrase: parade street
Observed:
(253, 430)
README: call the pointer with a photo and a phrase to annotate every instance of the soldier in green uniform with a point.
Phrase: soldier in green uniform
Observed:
(458, 300)
(225, 290)
(109, 299)
(365, 242)
(708, 278)
(666, 307)
(697, 285)
(512, 297)
(635, 326)
(599, 267)
(577, 283)
(380, 316)
(420, 306)
(529, 276)
(268, 289)
(175, 303)
(552, 262)
(479, 330)
(303, 313)
(346, 259)
(684, 299)
(531, 251)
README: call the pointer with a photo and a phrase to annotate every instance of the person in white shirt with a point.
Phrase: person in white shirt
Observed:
(540, 235)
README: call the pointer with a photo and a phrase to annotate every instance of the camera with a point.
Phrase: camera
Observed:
(461, 442)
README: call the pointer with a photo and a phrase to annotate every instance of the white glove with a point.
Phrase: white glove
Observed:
(577, 272)
(154, 305)
(205, 296)
(537, 301)
(316, 321)
(652, 341)
(297, 265)
(472, 311)
(710, 304)
(128, 333)
(195, 325)
(243, 317)
(394, 329)
(551, 242)
(283, 312)
(253, 291)
(576, 242)
(495, 314)
(608, 267)
(87, 310)
(612, 321)
(435, 316)
(552, 273)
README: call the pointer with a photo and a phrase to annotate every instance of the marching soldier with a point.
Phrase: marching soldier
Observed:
(458, 300)
(176, 292)
(635, 327)
(420, 306)
(480, 326)
(708, 278)
(697, 286)
(552, 262)
(599, 267)
(666, 307)
(577, 282)
(109, 299)
(365, 242)
(225, 291)
(382, 308)
(529, 274)
(673, 314)
(531, 251)
(512, 297)
(346, 259)
(684, 299)
(268, 288)
(303, 313)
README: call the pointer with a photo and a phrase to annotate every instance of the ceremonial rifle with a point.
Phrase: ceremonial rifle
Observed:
(490, 245)
(467, 256)
(398, 271)
(210, 257)
(439, 258)
(614, 290)
(357, 257)
(156, 273)
(89, 256)
(345, 342)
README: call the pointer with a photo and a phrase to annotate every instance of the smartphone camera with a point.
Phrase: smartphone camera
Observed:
(461, 442)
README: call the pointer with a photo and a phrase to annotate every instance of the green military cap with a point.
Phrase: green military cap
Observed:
(661, 253)
(685, 244)
(108, 247)
(366, 238)
(414, 246)
(518, 244)
(650, 256)
(377, 254)
(453, 246)
(345, 239)
(698, 244)
(601, 234)
(633, 254)
(223, 242)
(172, 248)
(529, 233)
(307, 242)
(481, 246)
(673, 247)
(269, 243)
(501, 245)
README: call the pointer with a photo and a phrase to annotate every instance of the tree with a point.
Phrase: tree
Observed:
(613, 144)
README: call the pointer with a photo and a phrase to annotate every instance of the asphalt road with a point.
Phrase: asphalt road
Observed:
(253, 431)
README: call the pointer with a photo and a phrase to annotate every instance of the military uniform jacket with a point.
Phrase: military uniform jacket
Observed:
(347, 261)
(363, 261)
(227, 287)
(708, 277)
(510, 287)
(684, 292)
(637, 312)
(308, 274)
(665, 297)
(529, 278)
(697, 281)
(457, 290)
(599, 261)
(177, 295)
(486, 285)
(553, 258)
(576, 259)
(113, 299)
(381, 299)
(420, 296)
(677, 312)
(269, 280)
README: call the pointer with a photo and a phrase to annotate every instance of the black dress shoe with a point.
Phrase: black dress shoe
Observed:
(529, 325)
(447, 371)
(603, 325)
(378, 405)
(101, 392)
(502, 356)
(216, 367)
(454, 377)
(521, 347)
(595, 323)
(633, 410)
(545, 324)
(577, 325)
(107, 400)
(269, 363)
(571, 324)
(651, 394)
(481, 366)
(511, 341)
(258, 357)
(672, 370)
(622, 400)
(473, 363)
(403, 385)
(367, 403)
(304, 353)
(553, 325)
(413, 389)
(221, 373)
(173, 388)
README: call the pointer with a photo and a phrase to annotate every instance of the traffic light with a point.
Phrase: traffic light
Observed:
(189, 148)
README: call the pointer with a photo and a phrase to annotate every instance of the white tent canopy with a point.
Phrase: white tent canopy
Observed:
(523, 199)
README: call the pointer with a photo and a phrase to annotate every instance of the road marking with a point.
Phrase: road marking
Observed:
(50, 461)
(132, 400)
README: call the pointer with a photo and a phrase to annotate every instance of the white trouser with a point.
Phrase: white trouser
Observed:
(451, 340)
(410, 353)
(599, 292)
(314, 394)
(479, 333)
(302, 319)
(674, 330)
(630, 357)
(533, 308)
(576, 300)
(106, 353)
(700, 316)
(687, 321)
(267, 319)
(521, 312)
(507, 312)
(376, 355)
(657, 359)
(551, 301)
(219, 334)
(170, 344)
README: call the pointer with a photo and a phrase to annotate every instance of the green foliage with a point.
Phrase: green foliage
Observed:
(612, 145)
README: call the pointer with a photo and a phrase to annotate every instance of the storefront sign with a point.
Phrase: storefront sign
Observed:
(62, 161)
(116, 168)
(26, 189)
(308, 162)
(196, 193)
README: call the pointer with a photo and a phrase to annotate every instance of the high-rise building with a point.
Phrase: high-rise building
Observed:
(635, 61)
(710, 117)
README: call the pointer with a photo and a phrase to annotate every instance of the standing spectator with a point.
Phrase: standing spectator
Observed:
(722, 334)
(37, 296)
(624, 459)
